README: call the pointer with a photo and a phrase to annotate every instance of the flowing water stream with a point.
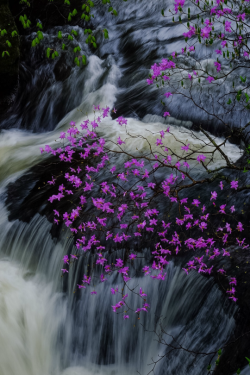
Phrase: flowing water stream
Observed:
(46, 328)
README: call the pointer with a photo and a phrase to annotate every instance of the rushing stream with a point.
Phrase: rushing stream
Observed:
(46, 328)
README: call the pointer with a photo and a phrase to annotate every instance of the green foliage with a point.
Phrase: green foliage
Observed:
(77, 49)
(70, 37)
(209, 367)
(8, 43)
(247, 97)
(5, 53)
(238, 371)
(35, 42)
(229, 101)
(59, 35)
(54, 54)
(3, 32)
(219, 352)
(24, 21)
(40, 35)
(48, 52)
(238, 95)
(106, 34)
(74, 32)
(243, 79)
(26, 2)
(39, 25)
(63, 46)
(84, 60)
(77, 62)
(14, 33)
(67, 2)
(248, 360)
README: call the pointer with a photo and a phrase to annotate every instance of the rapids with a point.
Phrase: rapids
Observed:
(46, 328)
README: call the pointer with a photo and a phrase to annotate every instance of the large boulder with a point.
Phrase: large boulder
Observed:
(9, 64)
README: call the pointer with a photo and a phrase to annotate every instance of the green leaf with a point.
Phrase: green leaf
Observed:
(3, 32)
(63, 46)
(209, 367)
(229, 101)
(40, 35)
(217, 362)
(14, 33)
(56, 54)
(39, 25)
(248, 360)
(74, 13)
(106, 34)
(48, 52)
(74, 32)
(115, 13)
(162, 12)
(70, 37)
(76, 49)
(238, 371)
(67, 2)
(34, 42)
(59, 35)
(110, 9)
(91, 4)
(83, 16)
(69, 17)
(243, 79)
(247, 97)
(94, 45)
(77, 62)
(53, 55)
(84, 60)
(219, 352)
(8, 43)
(87, 18)
(87, 9)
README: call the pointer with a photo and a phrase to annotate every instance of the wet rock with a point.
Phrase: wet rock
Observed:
(62, 70)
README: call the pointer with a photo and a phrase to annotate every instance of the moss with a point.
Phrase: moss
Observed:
(9, 65)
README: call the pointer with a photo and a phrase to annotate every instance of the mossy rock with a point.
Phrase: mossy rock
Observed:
(9, 65)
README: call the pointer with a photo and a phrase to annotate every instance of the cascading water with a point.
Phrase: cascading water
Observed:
(45, 328)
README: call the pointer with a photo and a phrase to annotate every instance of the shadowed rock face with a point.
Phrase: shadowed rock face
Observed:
(9, 65)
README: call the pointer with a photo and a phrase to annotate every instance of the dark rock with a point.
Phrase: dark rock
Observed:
(9, 64)
(233, 356)
(62, 70)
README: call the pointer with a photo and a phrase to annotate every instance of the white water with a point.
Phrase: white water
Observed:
(42, 333)
(28, 323)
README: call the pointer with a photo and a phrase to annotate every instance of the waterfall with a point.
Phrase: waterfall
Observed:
(77, 332)
(46, 328)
